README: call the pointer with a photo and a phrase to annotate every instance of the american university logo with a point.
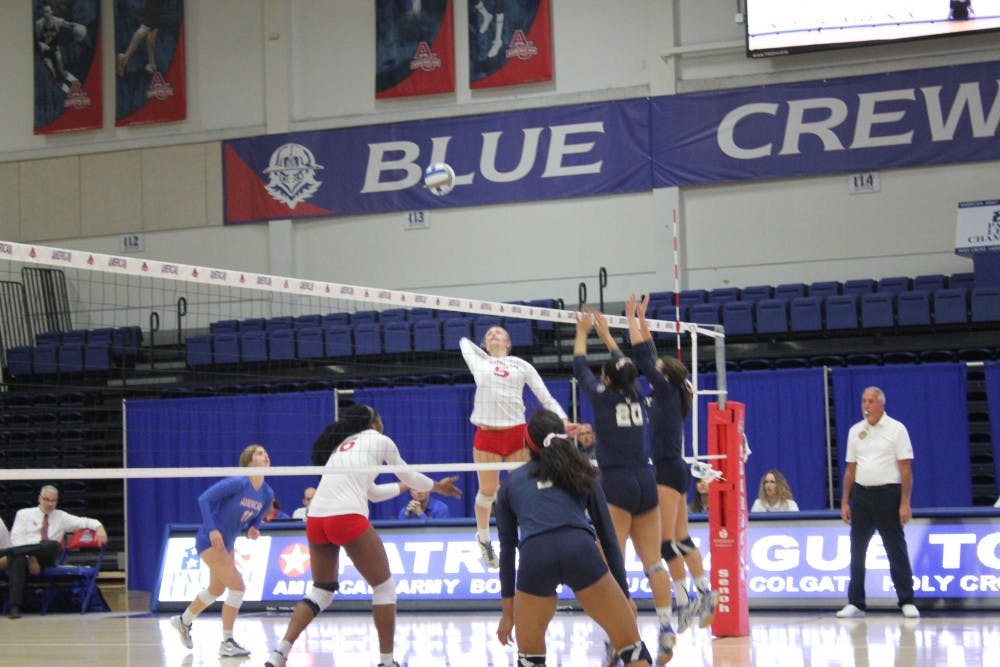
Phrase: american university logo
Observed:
(159, 88)
(425, 59)
(291, 174)
(521, 47)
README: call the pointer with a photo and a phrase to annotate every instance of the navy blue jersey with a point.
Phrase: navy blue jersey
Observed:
(232, 505)
(666, 423)
(619, 421)
(529, 506)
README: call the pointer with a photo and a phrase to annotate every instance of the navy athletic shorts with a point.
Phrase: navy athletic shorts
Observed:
(566, 556)
(631, 489)
(673, 473)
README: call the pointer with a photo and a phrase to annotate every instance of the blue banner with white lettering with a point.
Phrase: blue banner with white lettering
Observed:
(864, 123)
(571, 151)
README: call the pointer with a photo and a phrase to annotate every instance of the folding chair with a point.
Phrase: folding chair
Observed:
(70, 574)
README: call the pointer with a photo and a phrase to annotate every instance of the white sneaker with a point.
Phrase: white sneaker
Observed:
(910, 611)
(611, 658)
(230, 649)
(850, 611)
(276, 659)
(709, 605)
(183, 631)
(687, 614)
(488, 553)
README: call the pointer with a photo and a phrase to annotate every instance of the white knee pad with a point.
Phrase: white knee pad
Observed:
(483, 500)
(234, 599)
(320, 597)
(384, 593)
(206, 597)
(655, 567)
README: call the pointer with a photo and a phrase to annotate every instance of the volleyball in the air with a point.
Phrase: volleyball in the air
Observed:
(439, 178)
(79, 32)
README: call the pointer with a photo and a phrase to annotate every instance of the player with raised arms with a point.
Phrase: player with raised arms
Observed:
(338, 517)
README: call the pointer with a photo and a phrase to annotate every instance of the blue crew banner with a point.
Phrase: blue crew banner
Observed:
(863, 123)
(571, 151)
(797, 563)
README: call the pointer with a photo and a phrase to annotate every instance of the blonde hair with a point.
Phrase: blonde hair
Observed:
(784, 491)
(246, 457)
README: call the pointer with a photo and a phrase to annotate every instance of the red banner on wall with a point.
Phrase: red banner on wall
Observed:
(414, 48)
(510, 42)
(150, 63)
(67, 49)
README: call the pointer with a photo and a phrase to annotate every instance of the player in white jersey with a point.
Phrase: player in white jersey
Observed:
(338, 517)
(498, 413)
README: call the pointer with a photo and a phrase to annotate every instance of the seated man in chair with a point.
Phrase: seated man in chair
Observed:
(36, 538)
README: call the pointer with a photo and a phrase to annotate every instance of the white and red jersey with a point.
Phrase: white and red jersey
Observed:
(500, 381)
(349, 492)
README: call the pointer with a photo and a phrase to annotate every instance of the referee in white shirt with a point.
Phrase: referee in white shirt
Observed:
(876, 496)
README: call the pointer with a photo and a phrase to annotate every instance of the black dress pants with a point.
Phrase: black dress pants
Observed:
(877, 508)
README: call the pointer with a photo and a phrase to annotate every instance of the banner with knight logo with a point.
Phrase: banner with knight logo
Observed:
(66, 37)
(150, 65)
(414, 48)
(510, 42)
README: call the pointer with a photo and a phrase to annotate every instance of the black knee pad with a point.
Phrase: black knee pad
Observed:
(686, 545)
(333, 588)
(525, 660)
(667, 550)
(636, 651)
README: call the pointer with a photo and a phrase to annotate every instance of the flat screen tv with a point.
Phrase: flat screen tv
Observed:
(781, 27)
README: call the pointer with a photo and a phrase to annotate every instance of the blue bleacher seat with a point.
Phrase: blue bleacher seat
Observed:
(281, 344)
(336, 319)
(544, 304)
(46, 358)
(705, 313)
(755, 293)
(224, 326)
(669, 314)
(226, 347)
(482, 324)
(303, 321)
(253, 345)
(75, 336)
(825, 288)
(102, 336)
(900, 357)
(805, 313)
(724, 294)
(737, 318)
(791, 362)
(393, 315)
(756, 364)
(985, 304)
(453, 329)
(396, 336)
(937, 356)
(788, 291)
(689, 297)
(198, 351)
(958, 280)
(662, 295)
(877, 310)
(859, 286)
(930, 282)
(772, 316)
(414, 314)
(951, 306)
(913, 309)
(20, 360)
(863, 359)
(841, 312)
(309, 343)
(895, 284)
(48, 337)
(280, 322)
(364, 316)
(253, 324)
(96, 357)
(521, 332)
(427, 335)
(337, 340)
(367, 338)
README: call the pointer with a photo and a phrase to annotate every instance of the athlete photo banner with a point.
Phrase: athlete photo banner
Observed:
(853, 124)
(414, 48)
(510, 42)
(150, 65)
(66, 38)
(557, 152)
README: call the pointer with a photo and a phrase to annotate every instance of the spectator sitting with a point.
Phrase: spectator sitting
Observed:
(422, 507)
(274, 512)
(699, 504)
(36, 538)
(307, 497)
(774, 494)
(586, 441)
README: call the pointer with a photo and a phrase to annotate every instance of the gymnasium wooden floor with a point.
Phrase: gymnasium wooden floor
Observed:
(466, 639)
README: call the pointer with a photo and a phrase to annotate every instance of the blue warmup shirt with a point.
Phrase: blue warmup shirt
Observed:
(619, 421)
(231, 506)
(666, 423)
(535, 507)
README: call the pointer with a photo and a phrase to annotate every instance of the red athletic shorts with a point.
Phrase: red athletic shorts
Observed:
(340, 530)
(502, 441)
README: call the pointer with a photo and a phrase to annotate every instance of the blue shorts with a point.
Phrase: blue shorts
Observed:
(631, 489)
(566, 556)
(673, 473)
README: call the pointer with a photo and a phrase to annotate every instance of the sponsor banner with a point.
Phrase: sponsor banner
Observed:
(854, 124)
(67, 46)
(510, 42)
(800, 563)
(414, 48)
(150, 64)
(978, 227)
(572, 151)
